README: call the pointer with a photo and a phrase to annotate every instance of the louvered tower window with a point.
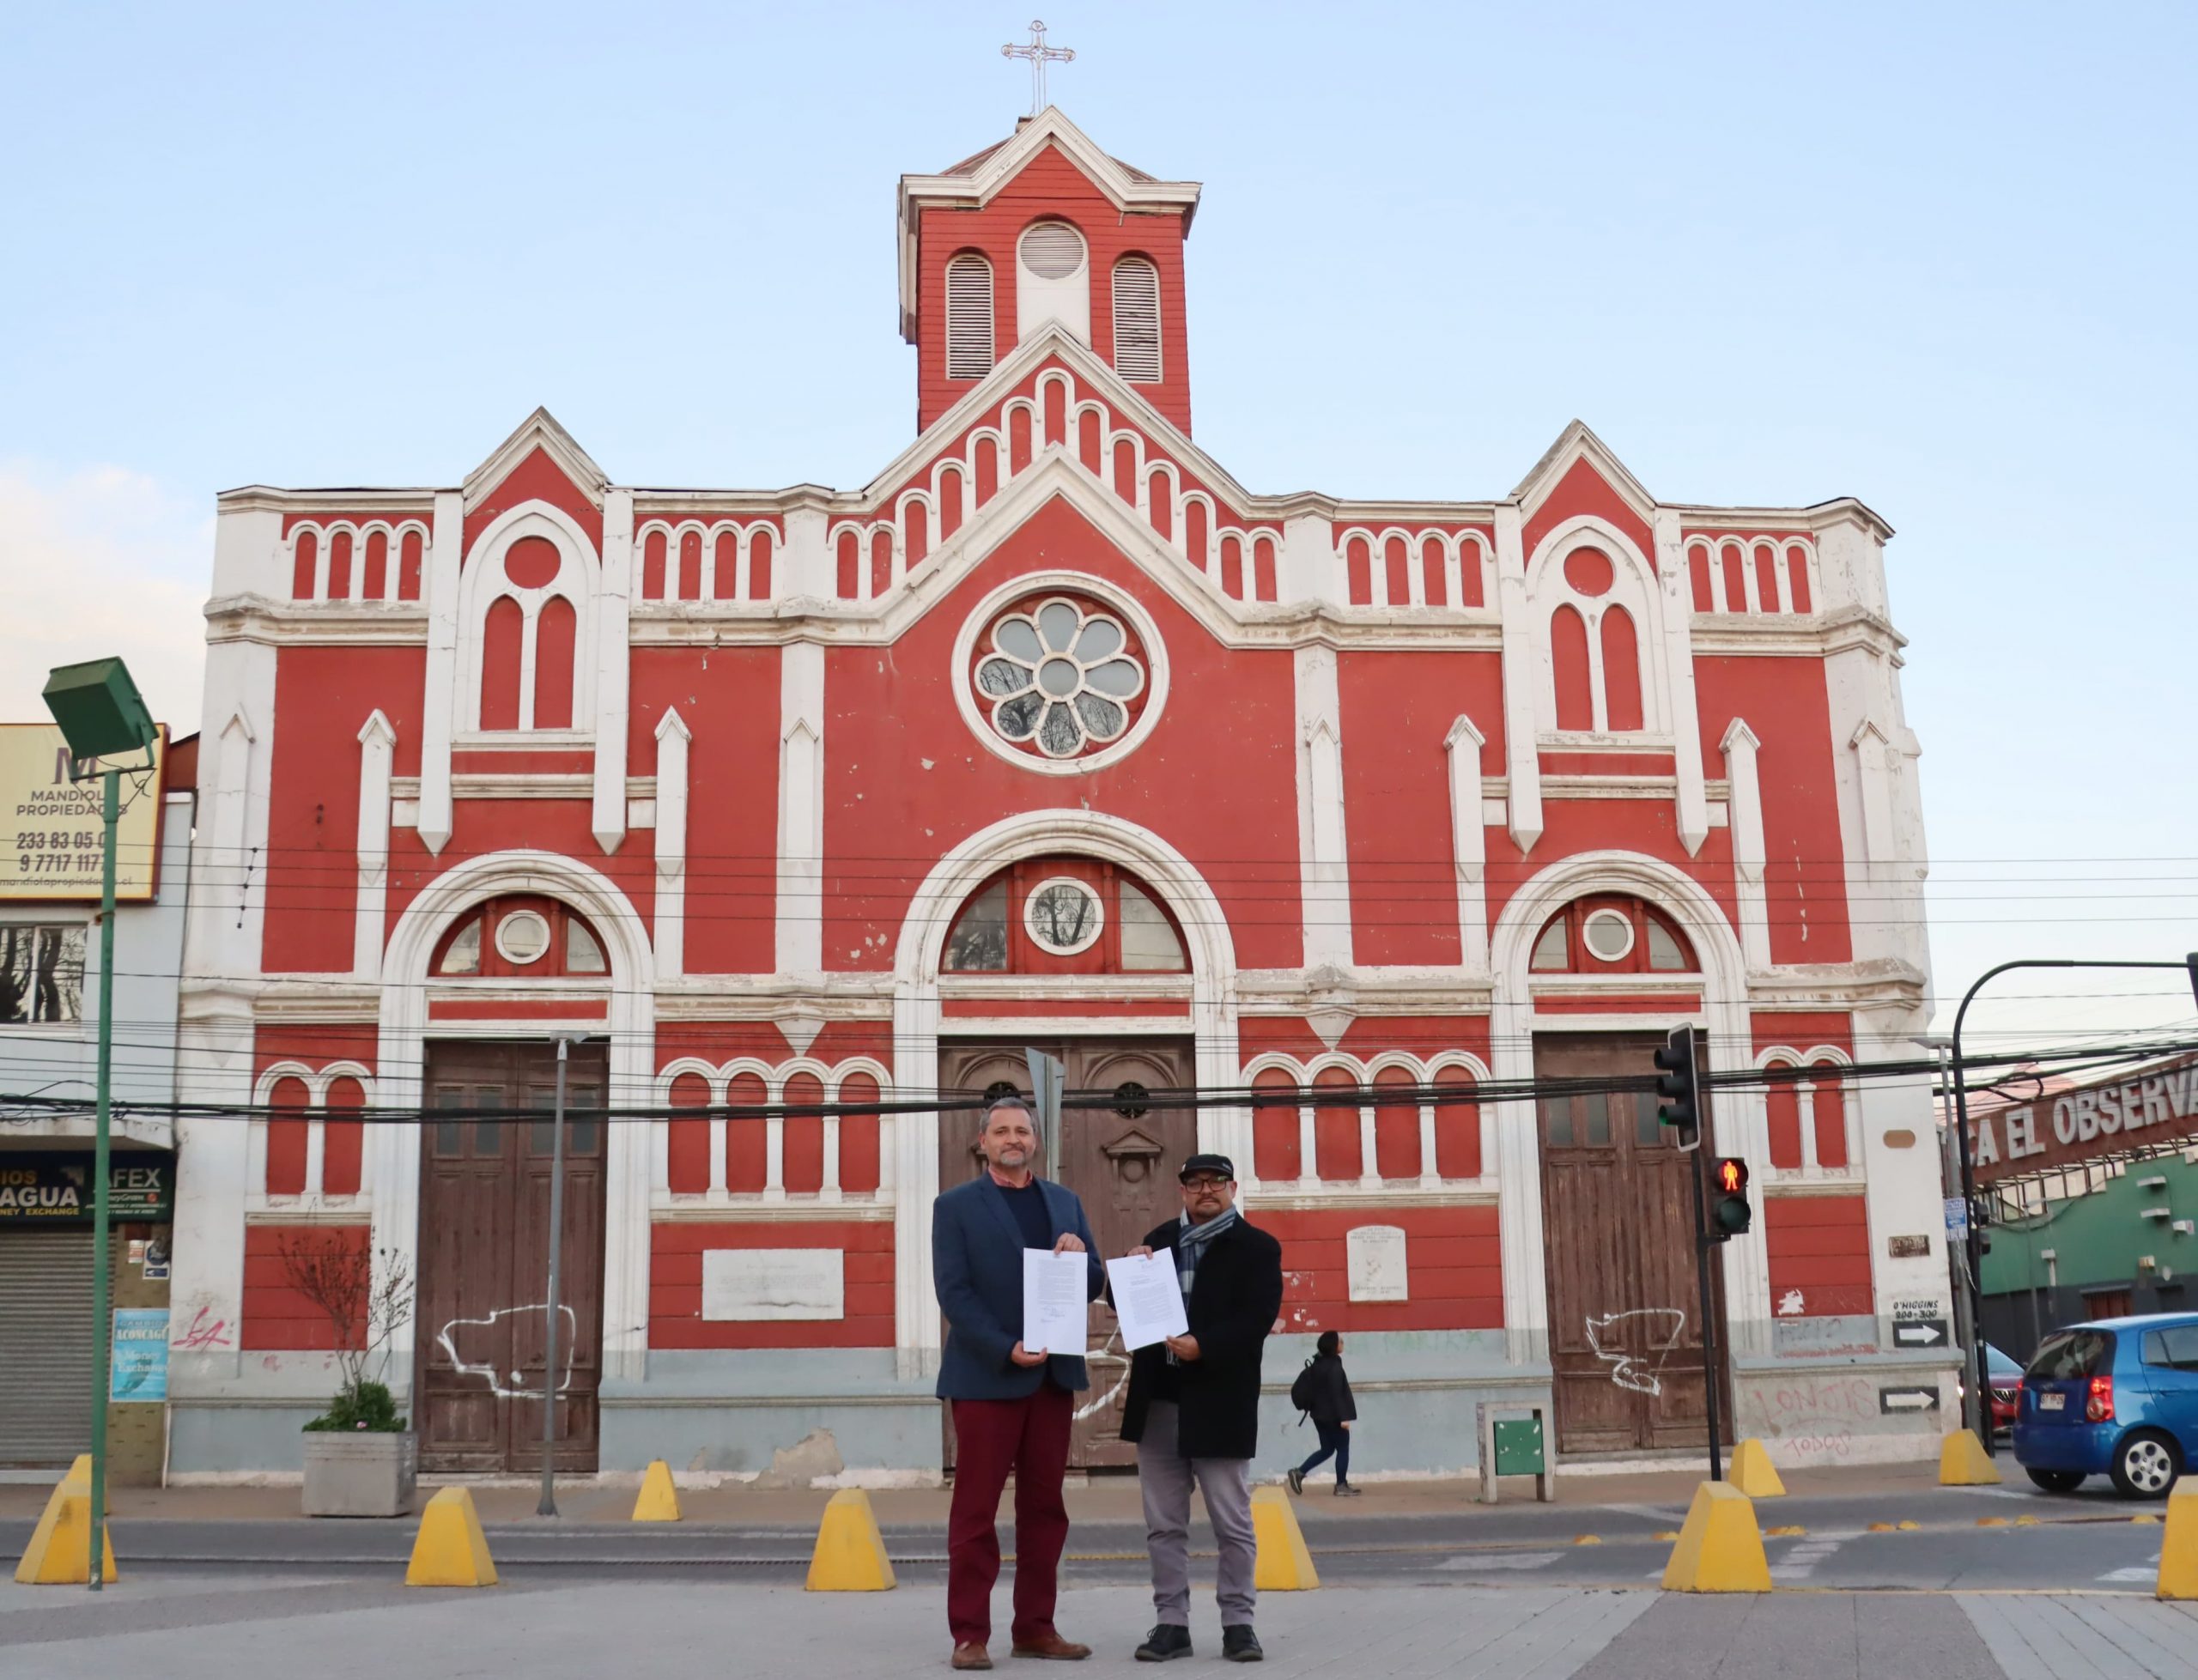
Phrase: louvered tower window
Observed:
(968, 318)
(1137, 320)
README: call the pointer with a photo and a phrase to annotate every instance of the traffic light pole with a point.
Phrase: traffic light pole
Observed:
(1702, 1249)
(1975, 1377)
(111, 814)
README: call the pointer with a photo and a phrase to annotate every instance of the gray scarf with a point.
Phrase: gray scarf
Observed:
(1192, 1244)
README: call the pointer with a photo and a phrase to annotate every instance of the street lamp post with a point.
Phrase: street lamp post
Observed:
(1977, 1376)
(101, 715)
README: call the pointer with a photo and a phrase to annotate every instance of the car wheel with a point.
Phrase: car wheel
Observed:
(2145, 1466)
(2058, 1481)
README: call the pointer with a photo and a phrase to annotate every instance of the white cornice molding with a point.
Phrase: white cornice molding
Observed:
(1576, 443)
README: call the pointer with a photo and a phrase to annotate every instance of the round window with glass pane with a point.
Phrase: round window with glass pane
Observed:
(1060, 677)
(520, 937)
(1072, 915)
(1611, 935)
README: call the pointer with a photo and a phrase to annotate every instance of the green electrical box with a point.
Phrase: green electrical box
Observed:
(1519, 1447)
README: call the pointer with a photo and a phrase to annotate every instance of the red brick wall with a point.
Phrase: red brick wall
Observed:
(1820, 1246)
(676, 1284)
(1455, 1269)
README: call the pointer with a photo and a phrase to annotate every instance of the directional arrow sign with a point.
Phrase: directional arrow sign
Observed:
(1920, 1333)
(1908, 1399)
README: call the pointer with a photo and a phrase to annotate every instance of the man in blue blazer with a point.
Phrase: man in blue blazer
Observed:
(1013, 1408)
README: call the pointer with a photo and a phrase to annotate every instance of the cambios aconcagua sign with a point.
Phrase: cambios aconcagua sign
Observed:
(2107, 1116)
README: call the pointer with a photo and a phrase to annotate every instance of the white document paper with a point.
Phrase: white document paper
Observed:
(1148, 1299)
(1056, 1293)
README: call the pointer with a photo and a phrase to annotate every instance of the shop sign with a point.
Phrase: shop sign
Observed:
(52, 838)
(55, 1189)
(2088, 1122)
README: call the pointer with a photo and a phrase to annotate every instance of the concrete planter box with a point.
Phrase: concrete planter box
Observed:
(360, 1474)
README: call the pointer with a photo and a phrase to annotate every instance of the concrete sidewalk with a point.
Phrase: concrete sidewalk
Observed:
(199, 1630)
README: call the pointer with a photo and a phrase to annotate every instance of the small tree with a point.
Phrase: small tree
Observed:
(363, 1317)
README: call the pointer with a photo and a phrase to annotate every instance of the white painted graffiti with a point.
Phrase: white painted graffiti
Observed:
(1629, 1370)
(1105, 1355)
(493, 1376)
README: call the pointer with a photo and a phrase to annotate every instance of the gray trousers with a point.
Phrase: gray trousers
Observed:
(1164, 1478)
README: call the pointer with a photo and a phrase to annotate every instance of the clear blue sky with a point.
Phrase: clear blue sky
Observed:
(1939, 257)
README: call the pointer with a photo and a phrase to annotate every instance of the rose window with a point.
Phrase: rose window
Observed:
(1058, 678)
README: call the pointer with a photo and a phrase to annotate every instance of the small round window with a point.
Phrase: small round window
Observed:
(1608, 934)
(1062, 916)
(522, 937)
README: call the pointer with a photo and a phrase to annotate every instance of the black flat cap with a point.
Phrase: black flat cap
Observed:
(1209, 1163)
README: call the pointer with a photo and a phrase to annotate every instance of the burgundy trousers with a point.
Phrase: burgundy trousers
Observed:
(1029, 1437)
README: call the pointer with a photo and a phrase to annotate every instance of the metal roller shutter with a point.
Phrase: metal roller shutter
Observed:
(46, 1346)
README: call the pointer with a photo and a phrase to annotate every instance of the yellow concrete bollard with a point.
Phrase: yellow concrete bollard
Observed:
(2178, 1577)
(1283, 1564)
(850, 1555)
(60, 1551)
(660, 1500)
(1719, 1548)
(450, 1549)
(1963, 1461)
(1753, 1473)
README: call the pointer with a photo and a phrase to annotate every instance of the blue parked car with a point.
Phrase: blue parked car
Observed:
(2118, 1398)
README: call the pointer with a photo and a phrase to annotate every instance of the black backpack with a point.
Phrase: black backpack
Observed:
(1302, 1391)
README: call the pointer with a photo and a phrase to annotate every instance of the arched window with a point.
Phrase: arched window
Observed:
(1608, 935)
(522, 937)
(1053, 282)
(1137, 320)
(526, 604)
(1595, 645)
(1064, 916)
(969, 317)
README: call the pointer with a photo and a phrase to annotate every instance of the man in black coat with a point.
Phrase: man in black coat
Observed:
(1193, 1407)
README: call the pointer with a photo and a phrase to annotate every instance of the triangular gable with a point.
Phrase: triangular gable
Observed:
(1578, 474)
(538, 431)
(973, 182)
(1052, 343)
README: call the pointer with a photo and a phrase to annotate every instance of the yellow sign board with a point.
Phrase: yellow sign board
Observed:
(50, 836)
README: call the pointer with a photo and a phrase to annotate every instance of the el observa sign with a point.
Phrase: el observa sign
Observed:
(2088, 1122)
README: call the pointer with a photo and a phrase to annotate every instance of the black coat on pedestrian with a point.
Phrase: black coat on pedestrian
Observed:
(1331, 1395)
(1234, 1299)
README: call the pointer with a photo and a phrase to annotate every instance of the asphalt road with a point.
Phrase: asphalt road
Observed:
(1961, 1538)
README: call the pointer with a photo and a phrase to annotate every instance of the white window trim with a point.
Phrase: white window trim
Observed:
(1098, 918)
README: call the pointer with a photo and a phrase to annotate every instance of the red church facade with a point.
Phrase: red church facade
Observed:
(1053, 736)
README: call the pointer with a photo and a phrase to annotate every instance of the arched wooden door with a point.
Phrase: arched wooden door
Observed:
(1119, 1161)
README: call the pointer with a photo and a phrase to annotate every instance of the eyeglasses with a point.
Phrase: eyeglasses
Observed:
(1206, 1181)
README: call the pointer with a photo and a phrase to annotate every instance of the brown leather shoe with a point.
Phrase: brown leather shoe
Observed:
(972, 1656)
(1053, 1648)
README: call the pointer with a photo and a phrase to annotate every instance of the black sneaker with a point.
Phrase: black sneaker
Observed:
(1167, 1640)
(1345, 1490)
(1296, 1479)
(1241, 1645)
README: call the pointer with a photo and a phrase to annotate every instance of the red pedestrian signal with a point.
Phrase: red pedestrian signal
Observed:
(1729, 1213)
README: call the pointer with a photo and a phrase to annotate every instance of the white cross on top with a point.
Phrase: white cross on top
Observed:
(1040, 55)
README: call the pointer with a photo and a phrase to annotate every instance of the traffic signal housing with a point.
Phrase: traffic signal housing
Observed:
(1679, 1089)
(1729, 1213)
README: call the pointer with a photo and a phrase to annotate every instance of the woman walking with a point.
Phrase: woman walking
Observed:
(1326, 1393)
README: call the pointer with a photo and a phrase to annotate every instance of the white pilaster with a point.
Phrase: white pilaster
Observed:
(800, 939)
(613, 665)
(377, 741)
(1324, 871)
(1468, 845)
(1524, 652)
(670, 918)
(1307, 568)
(1677, 604)
(439, 702)
(1739, 746)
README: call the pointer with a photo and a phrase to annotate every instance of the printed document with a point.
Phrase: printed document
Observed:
(1056, 1289)
(1148, 1301)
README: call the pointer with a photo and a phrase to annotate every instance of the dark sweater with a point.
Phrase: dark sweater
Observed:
(1027, 1204)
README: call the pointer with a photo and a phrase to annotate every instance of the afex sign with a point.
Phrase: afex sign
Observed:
(2085, 1123)
(54, 1189)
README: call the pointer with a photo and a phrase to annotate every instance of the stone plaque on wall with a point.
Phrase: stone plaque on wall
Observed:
(773, 1284)
(1375, 1255)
